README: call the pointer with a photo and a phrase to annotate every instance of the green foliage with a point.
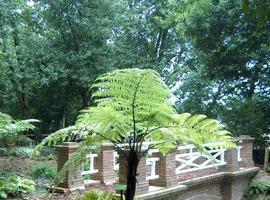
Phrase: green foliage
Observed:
(260, 10)
(10, 127)
(46, 154)
(135, 106)
(59, 51)
(16, 186)
(11, 132)
(212, 55)
(133, 97)
(21, 151)
(44, 170)
(98, 195)
(256, 189)
(224, 74)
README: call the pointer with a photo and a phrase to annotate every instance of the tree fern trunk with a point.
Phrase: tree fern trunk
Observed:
(131, 175)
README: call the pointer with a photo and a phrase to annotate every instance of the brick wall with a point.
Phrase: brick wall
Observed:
(220, 186)
(105, 165)
(226, 182)
(72, 179)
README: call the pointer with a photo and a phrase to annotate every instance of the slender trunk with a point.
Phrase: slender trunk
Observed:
(85, 97)
(23, 99)
(21, 93)
(132, 165)
(63, 121)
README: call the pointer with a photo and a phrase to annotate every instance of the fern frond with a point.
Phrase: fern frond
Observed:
(197, 130)
(60, 136)
(10, 127)
(133, 106)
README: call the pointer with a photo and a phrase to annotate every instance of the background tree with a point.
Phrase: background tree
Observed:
(16, 29)
(142, 40)
(260, 10)
(62, 47)
(227, 65)
(213, 56)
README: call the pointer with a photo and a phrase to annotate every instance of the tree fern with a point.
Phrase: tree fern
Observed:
(134, 106)
(10, 127)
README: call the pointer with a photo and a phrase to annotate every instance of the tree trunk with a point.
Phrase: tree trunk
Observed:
(85, 97)
(132, 165)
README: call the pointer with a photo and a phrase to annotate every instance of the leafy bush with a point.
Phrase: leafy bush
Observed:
(16, 186)
(46, 154)
(44, 170)
(97, 195)
(11, 128)
(257, 189)
(21, 151)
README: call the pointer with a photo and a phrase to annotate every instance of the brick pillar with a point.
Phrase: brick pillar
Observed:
(165, 168)
(230, 157)
(234, 186)
(105, 165)
(142, 183)
(231, 188)
(247, 151)
(73, 179)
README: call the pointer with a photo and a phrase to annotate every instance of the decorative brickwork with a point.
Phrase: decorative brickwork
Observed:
(104, 163)
(196, 174)
(181, 175)
(142, 183)
(247, 151)
(232, 163)
(73, 179)
(219, 186)
(165, 168)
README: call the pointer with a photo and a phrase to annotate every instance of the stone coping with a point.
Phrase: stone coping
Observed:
(243, 172)
(62, 190)
(184, 185)
(218, 176)
(163, 192)
(67, 145)
(245, 138)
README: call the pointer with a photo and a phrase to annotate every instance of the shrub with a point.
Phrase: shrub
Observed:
(20, 151)
(47, 153)
(97, 195)
(44, 170)
(16, 186)
(257, 189)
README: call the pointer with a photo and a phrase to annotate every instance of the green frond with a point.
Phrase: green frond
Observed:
(105, 120)
(197, 130)
(60, 136)
(122, 85)
(122, 93)
(195, 119)
(10, 127)
(182, 118)
(134, 105)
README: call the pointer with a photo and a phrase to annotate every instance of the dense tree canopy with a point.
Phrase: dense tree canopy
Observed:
(214, 55)
(228, 67)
